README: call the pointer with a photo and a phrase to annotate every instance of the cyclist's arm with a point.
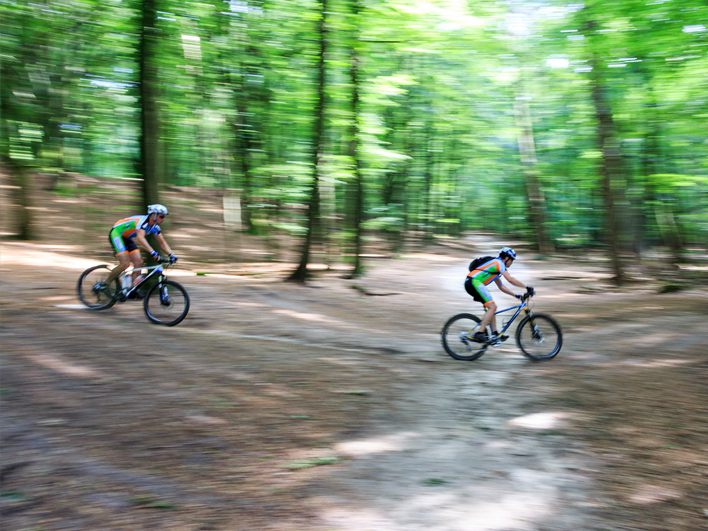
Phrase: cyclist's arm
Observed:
(503, 288)
(512, 281)
(161, 240)
(141, 240)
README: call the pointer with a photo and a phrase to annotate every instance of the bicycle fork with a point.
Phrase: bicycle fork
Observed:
(536, 334)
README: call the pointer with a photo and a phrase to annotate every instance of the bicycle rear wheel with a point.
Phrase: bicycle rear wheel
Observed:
(539, 337)
(167, 303)
(457, 334)
(91, 294)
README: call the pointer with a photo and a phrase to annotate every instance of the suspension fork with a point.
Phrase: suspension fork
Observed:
(161, 286)
(532, 321)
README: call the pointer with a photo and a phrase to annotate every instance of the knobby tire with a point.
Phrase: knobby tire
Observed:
(525, 340)
(153, 303)
(94, 300)
(452, 343)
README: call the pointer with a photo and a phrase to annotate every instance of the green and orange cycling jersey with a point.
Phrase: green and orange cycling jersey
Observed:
(122, 235)
(487, 272)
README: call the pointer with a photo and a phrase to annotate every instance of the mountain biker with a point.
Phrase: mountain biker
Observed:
(476, 285)
(130, 233)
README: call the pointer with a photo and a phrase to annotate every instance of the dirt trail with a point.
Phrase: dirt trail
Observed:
(276, 406)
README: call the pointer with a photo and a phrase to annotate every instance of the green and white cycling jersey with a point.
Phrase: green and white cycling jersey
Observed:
(122, 234)
(487, 272)
(478, 279)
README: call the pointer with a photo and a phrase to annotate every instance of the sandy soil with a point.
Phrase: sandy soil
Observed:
(334, 407)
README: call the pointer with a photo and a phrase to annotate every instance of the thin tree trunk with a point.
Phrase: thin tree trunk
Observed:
(313, 213)
(243, 146)
(354, 152)
(529, 165)
(149, 120)
(611, 162)
(25, 220)
(429, 230)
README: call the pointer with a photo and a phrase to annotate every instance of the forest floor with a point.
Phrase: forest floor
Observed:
(332, 406)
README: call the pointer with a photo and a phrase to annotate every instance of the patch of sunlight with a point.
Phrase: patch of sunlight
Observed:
(540, 421)
(309, 316)
(578, 316)
(57, 364)
(448, 510)
(72, 306)
(644, 339)
(359, 519)
(204, 419)
(180, 273)
(511, 511)
(647, 494)
(690, 267)
(342, 361)
(654, 364)
(375, 445)
(10, 255)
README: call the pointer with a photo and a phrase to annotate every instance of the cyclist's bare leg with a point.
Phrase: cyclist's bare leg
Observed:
(137, 261)
(123, 263)
(490, 317)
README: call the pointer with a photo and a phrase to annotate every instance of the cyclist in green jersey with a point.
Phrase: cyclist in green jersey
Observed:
(130, 233)
(476, 285)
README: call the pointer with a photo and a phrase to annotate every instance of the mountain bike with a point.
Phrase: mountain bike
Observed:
(538, 335)
(165, 303)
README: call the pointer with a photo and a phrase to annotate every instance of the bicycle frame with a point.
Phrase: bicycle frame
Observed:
(519, 308)
(153, 270)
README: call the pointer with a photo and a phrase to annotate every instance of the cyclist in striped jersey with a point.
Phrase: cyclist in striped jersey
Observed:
(130, 233)
(476, 285)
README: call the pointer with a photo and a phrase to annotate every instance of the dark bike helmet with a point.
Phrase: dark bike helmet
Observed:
(507, 251)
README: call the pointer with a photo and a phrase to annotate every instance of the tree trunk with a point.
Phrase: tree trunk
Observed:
(536, 199)
(25, 220)
(611, 162)
(243, 147)
(313, 211)
(429, 229)
(354, 152)
(149, 121)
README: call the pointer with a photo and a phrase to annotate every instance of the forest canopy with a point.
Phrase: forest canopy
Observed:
(566, 124)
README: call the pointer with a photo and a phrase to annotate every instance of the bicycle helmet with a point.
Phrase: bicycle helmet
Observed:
(157, 209)
(507, 251)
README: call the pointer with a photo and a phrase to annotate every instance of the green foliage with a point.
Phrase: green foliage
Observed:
(440, 89)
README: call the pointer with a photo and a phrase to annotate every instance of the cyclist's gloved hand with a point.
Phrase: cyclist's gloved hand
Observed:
(156, 256)
(520, 297)
(531, 290)
(172, 258)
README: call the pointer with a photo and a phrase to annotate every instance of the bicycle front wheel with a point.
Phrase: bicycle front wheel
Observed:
(457, 337)
(539, 337)
(167, 303)
(93, 290)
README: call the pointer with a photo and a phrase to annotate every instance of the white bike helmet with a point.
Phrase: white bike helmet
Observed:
(157, 209)
(507, 251)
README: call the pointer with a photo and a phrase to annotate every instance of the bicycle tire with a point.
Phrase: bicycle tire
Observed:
(156, 309)
(96, 300)
(452, 342)
(525, 339)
